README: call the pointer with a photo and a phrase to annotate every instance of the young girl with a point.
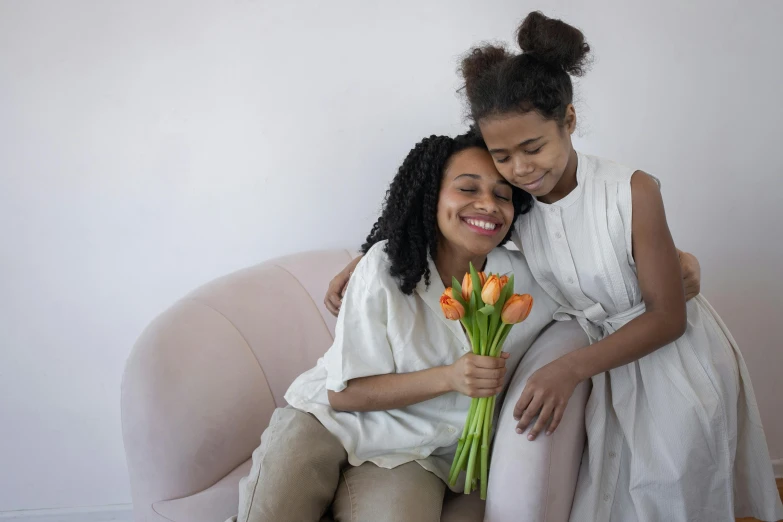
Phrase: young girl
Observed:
(372, 429)
(673, 428)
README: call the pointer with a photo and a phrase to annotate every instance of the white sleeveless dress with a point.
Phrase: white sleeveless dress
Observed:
(675, 436)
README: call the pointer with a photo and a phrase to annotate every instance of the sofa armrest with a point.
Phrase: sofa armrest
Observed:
(194, 404)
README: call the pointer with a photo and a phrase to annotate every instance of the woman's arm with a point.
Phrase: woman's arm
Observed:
(664, 320)
(472, 375)
(361, 367)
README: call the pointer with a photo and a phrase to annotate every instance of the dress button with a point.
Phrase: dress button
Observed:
(606, 498)
(553, 210)
(612, 454)
(558, 235)
(452, 429)
(571, 280)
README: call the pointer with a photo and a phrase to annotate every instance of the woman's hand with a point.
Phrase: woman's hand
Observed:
(477, 375)
(691, 274)
(546, 395)
(337, 286)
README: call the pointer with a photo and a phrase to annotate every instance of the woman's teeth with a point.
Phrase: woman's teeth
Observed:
(486, 225)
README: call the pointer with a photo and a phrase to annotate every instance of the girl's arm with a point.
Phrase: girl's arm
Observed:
(336, 290)
(472, 375)
(689, 266)
(660, 280)
(691, 274)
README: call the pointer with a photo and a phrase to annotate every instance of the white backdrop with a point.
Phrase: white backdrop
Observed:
(149, 146)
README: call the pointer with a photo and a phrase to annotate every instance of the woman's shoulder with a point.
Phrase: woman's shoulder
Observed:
(374, 267)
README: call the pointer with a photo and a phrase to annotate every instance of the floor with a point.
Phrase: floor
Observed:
(123, 514)
(780, 490)
(106, 514)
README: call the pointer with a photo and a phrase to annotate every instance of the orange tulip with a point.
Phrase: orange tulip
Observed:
(503, 280)
(516, 309)
(490, 292)
(467, 287)
(452, 309)
(467, 284)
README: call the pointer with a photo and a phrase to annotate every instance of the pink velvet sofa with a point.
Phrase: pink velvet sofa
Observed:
(204, 377)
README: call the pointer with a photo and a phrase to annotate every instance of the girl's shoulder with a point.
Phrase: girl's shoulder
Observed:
(515, 257)
(505, 260)
(604, 170)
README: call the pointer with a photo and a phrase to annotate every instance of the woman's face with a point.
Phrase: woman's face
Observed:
(531, 152)
(475, 210)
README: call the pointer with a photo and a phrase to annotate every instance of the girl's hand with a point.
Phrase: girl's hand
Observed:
(477, 375)
(691, 274)
(337, 286)
(546, 394)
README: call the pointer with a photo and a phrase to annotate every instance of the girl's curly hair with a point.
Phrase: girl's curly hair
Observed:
(408, 219)
(499, 82)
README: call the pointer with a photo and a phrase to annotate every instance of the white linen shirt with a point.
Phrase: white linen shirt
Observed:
(379, 331)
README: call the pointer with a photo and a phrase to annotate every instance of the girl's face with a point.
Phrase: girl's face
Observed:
(531, 152)
(475, 210)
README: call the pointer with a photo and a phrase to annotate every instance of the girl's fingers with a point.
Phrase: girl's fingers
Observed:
(529, 414)
(556, 418)
(522, 403)
(543, 420)
(333, 304)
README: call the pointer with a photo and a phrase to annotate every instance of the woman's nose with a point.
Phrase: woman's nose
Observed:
(487, 202)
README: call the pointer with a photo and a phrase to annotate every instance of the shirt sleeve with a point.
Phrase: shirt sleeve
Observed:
(361, 347)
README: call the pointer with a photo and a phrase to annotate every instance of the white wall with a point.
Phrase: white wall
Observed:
(149, 146)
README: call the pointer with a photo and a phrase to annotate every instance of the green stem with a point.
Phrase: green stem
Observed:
(475, 340)
(485, 447)
(461, 443)
(468, 329)
(468, 444)
(496, 339)
(474, 447)
(499, 346)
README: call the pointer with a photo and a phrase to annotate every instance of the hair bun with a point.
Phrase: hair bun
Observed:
(478, 61)
(554, 41)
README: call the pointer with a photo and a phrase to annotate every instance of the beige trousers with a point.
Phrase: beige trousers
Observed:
(300, 470)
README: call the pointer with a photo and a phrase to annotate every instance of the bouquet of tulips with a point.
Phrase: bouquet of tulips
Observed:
(487, 309)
